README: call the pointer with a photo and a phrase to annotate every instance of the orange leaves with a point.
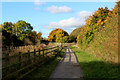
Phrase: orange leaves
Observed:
(110, 14)
(87, 29)
(99, 21)
(93, 24)
(56, 35)
(0, 26)
(10, 23)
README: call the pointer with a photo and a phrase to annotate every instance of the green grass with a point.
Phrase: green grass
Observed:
(93, 67)
(44, 71)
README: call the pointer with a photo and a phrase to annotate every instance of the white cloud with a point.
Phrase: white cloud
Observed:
(67, 23)
(84, 14)
(71, 22)
(55, 9)
(37, 2)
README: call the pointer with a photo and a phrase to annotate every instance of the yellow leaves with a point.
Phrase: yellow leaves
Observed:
(1, 26)
(91, 17)
(87, 28)
(102, 23)
(96, 13)
(57, 34)
(96, 24)
(88, 22)
(110, 14)
(106, 19)
(99, 21)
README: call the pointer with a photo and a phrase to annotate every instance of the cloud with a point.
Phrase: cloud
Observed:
(55, 9)
(67, 23)
(84, 14)
(37, 2)
(71, 22)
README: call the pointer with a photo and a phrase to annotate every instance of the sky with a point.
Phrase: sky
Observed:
(46, 16)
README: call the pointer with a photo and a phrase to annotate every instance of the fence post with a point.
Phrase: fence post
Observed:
(61, 47)
(39, 53)
(61, 44)
(46, 52)
(19, 60)
(43, 52)
(28, 56)
(34, 54)
(8, 56)
(9, 49)
(6, 63)
(58, 48)
(55, 51)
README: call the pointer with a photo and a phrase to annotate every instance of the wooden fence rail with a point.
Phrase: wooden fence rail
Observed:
(14, 50)
(17, 66)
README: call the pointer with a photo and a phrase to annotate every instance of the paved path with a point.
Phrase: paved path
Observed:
(68, 67)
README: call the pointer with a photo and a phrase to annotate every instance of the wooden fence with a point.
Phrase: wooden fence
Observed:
(63, 44)
(13, 50)
(18, 66)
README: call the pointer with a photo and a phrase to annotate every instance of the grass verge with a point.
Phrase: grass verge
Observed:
(95, 68)
(44, 71)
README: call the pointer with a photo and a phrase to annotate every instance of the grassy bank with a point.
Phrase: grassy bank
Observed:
(94, 67)
(44, 71)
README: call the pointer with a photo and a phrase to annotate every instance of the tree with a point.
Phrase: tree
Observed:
(22, 29)
(74, 34)
(33, 37)
(19, 33)
(9, 39)
(8, 26)
(15, 33)
(39, 34)
(58, 35)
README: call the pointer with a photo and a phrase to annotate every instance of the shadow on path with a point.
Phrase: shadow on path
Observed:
(68, 68)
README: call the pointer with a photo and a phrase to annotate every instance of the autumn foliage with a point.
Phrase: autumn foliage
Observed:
(58, 35)
(93, 25)
(99, 34)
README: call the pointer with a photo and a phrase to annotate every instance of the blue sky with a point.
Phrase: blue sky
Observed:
(44, 17)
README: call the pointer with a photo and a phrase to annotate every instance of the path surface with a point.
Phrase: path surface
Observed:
(68, 67)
